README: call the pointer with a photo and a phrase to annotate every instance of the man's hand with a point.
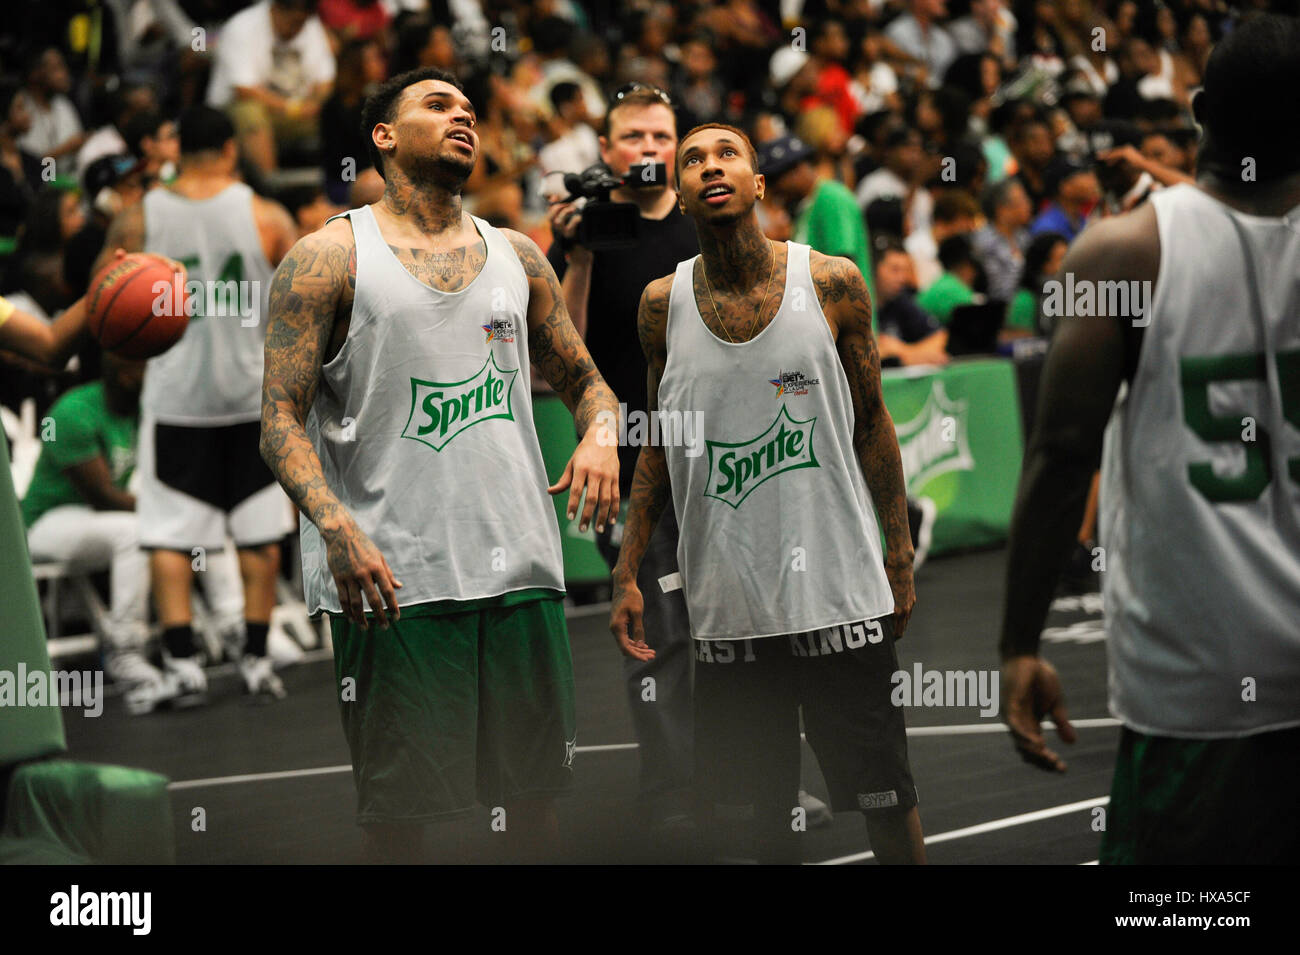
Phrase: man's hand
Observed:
(900, 582)
(626, 618)
(593, 468)
(564, 218)
(359, 569)
(1031, 689)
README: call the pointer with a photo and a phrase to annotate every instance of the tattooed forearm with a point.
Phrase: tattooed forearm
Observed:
(847, 303)
(650, 489)
(650, 482)
(304, 299)
(554, 344)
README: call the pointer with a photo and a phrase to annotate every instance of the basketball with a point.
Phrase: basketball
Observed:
(136, 307)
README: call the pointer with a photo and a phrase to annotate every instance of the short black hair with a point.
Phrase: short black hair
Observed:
(997, 195)
(1037, 253)
(734, 130)
(381, 105)
(140, 126)
(1250, 103)
(204, 129)
(886, 244)
(551, 35)
(956, 250)
(563, 93)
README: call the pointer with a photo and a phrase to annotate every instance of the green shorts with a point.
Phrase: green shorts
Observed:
(1204, 801)
(458, 699)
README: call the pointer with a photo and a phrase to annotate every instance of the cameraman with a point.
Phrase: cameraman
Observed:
(606, 284)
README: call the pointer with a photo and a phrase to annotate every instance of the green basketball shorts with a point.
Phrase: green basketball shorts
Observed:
(1204, 801)
(452, 703)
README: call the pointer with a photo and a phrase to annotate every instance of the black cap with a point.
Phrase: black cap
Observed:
(778, 156)
(1112, 133)
(107, 171)
(1061, 169)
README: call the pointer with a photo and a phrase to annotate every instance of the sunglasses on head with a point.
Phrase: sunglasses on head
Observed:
(636, 87)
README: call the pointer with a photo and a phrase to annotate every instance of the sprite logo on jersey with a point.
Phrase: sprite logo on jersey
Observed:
(736, 469)
(442, 410)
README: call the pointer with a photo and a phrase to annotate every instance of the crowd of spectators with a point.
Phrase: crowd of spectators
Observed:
(997, 124)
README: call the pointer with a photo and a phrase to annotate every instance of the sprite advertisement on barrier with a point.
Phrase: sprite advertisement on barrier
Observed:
(960, 437)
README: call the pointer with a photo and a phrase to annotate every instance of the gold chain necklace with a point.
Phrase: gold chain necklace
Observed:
(770, 272)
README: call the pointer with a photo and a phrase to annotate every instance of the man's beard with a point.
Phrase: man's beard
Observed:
(444, 171)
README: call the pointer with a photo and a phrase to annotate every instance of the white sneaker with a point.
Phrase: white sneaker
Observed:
(146, 685)
(188, 678)
(816, 812)
(260, 679)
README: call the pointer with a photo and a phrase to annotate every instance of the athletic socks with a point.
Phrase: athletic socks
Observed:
(179, 641)
(255, 645)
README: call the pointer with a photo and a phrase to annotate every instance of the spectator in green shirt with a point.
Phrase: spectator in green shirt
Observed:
(826, 214)
(1043, 259)
(78, 511)
(956, 286)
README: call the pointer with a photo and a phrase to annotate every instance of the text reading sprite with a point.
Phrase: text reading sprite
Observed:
(736, 469)
(442, 410)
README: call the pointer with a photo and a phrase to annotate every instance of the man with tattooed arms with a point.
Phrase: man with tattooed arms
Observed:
(791, 602)
(396, 412)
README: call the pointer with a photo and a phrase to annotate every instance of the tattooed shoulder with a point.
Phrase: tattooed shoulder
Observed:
(652, 315)
(316, 274)
(530, 256)
(843, 292)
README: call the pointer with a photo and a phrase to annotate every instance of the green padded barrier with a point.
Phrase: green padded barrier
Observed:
(59, 810)
(959, 431)
(583, 565)
(26, 732)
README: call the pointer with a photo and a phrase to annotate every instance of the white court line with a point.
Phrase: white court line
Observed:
(961, 730)
(984, 827)
(964, 729)
(326, 770)
(257, 777)
(1093, 862)
(1000, 727)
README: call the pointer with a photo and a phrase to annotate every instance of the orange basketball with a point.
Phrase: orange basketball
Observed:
(136, 306)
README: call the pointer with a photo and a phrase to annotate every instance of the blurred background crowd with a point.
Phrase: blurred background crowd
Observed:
(976, 138)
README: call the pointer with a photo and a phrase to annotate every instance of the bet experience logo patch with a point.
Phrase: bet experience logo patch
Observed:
(499, 330)
(792, 383)
(736, 469)
(442, 410)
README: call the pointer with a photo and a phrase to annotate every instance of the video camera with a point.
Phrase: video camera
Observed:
(607, 224)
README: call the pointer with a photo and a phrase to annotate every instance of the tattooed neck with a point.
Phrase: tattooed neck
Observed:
(737, 257)
(433, 207)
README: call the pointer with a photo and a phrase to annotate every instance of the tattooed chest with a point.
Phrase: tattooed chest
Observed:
(742, 318)
(448, 271)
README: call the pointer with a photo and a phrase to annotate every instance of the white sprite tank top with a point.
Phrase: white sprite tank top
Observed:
(213, 375)
(778, 530)
(424, 426)
(1200, 492)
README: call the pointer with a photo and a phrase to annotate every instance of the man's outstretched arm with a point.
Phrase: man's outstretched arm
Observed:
(847, 304)
(304, 299)
(555, 347)
(1081, 378)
